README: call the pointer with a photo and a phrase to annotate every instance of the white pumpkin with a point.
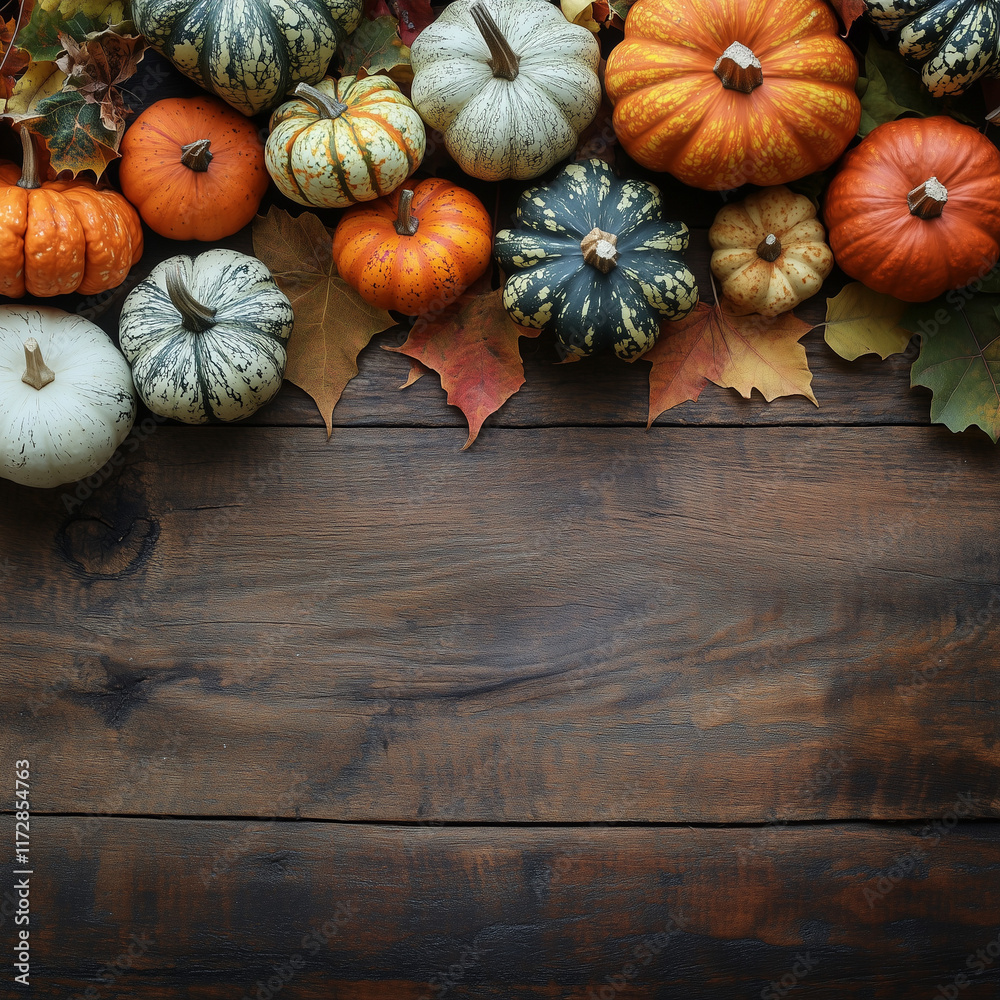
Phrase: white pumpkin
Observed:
(510, 83)
(66, 396)
(206, 336)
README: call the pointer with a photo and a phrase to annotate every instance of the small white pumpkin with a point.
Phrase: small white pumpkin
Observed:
(66, 396)
(510, 83)
(206, 336)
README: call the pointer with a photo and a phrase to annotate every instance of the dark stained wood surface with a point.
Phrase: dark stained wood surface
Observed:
(213, 910)
(699, 619)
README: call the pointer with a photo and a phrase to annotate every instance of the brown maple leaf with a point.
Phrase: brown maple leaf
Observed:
(849, 11)
(13, 61)
(712, 344)
(472, 345)
(95, 67)
(333, 324)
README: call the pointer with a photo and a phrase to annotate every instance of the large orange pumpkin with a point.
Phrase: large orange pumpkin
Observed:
(915, 210)
(194, 168)
(726, 92)
(65, 236)
(415, 250)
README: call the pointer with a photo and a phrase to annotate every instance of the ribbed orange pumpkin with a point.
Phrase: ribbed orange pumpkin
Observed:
(726, 92)
(915, 210)
(58, 237)
(415, 250)
(194, 168)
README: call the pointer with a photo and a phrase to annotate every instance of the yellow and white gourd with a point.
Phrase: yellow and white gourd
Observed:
(66, 396)
(510, 83)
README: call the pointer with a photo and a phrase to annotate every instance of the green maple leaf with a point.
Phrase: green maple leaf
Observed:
(959, 361)
(73, 131)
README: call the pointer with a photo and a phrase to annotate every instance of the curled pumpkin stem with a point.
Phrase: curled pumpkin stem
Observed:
(197, 155)
(195, 316)
(739, 69)
(504, 62)
(406, 224)
(328, 107)
(37, 373)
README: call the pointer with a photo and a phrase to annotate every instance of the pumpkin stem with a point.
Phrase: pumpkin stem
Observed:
(196, 317)
(197, 155)
(327, 106)
(37, 373)
(769, 248)
(29, 165)
(927, 200)
(739, 69)
(405, 224)
(600, 250)
(504, 62)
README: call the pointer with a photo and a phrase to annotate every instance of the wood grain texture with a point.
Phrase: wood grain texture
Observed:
(213, 910)
(686, 625)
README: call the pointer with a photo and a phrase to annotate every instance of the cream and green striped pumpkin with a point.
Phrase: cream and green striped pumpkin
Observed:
(249, 52)
(206, 337)
(344, 141)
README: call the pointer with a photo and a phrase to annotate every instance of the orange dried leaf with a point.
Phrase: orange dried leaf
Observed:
(849, 11)
(13, 61)
(473, 346)
(744, 353)
(333, 324)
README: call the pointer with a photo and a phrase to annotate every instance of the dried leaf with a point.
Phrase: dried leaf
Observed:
(75, 135)
(849, 11)
(40, 34)
(860, 321)
(618, 11)
(375, 47)
(959, 360)
(333, 324)
(473, 346)
(411, 16)
(13, 60)
(744, 353)
(41, 80)
(96, 66)
(591, 14)
(417, 371)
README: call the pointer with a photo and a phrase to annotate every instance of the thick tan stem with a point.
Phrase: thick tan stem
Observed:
(503, 62)
(406, 224)
(36, 372)
(739, 69)
(927, 200)
(328, 107)
(29, 164)
(600, 250)
(769, 248)
(197, 155)
(195, 316)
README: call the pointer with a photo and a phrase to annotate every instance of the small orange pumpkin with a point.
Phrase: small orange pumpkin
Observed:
(415, 250)
(65, 236)
(194, 168)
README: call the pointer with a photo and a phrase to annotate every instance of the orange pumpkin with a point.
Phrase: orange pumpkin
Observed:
(722, 93)
(915, 210)
(415, 250)
(194, 168)
(64, 236)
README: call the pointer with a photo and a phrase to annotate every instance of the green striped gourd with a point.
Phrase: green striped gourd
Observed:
(249, 52)
(206, 337)
(594, 261)
(344, 141)
(955, 42)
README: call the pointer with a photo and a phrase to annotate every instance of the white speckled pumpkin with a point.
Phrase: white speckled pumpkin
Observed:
(66, 396)
(249, 52)
(206, 336)
(510, 83)
(344, 141)
(769, 251)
